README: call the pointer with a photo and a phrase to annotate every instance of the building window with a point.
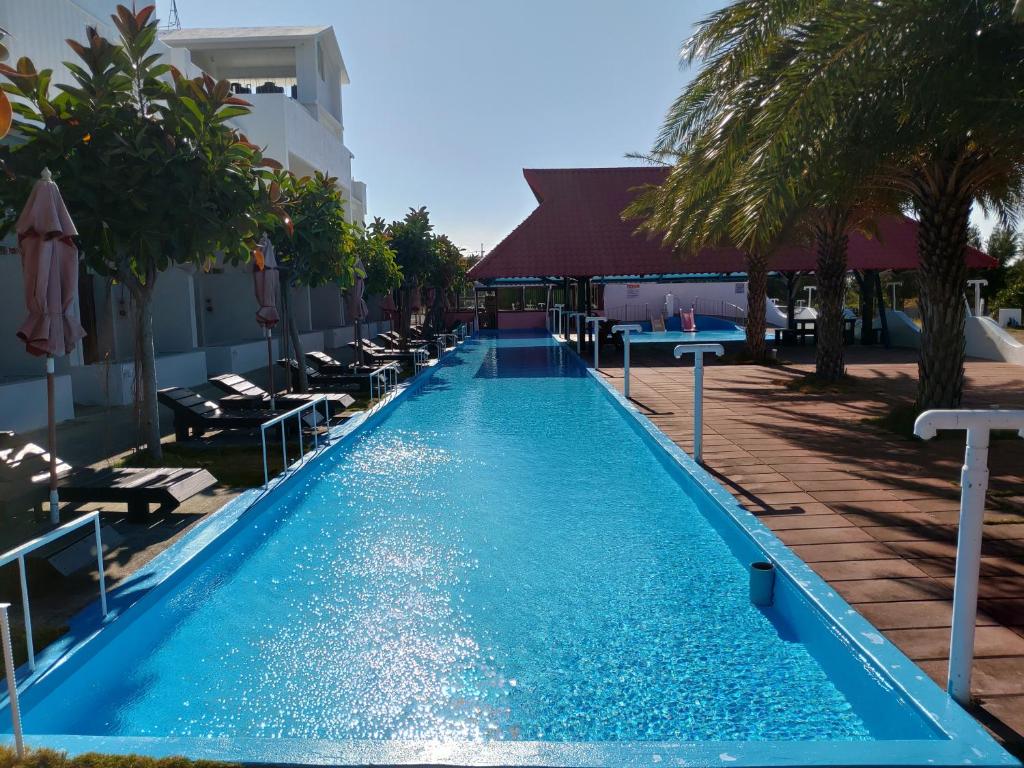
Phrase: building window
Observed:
(320, 59)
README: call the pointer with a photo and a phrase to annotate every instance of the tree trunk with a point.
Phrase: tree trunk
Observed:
(146, 403)
(293, 336)
(943, 207)
(404, 315)
(832, 242)
(757, 292)
(866, 289)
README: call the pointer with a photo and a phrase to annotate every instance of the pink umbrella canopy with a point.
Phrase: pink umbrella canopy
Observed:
(266, 282)
(387, 304)
(356, 303)
(49, 260)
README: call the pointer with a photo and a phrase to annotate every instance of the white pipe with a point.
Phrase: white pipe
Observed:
(625, 330)
(698, 351)
(597, 340)
(12, 683)
(973, 485)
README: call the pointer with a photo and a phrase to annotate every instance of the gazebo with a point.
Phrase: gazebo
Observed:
(576, 238)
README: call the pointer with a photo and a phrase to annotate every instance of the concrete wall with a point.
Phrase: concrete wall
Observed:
(226, 306)
(23, 403)
(508, 321)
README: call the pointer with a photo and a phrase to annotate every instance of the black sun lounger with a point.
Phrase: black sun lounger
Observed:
(26, 467)
(193, 414)
(242, 394)
(321, 381)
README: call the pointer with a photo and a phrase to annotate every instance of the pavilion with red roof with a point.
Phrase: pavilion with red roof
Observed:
(577, 237)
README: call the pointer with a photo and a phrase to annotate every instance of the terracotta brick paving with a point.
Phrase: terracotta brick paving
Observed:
(874, 514)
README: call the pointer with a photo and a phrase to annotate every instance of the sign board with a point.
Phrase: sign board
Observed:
(632, 290)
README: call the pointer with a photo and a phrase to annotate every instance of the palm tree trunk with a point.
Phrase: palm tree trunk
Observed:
(943, 208)
(757, 292)
(832, 242)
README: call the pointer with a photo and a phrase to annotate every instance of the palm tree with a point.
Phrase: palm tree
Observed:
(724, 155)
(932, 89)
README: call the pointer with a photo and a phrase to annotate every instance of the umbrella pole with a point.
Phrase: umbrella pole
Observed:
(51, 420)
(270, 367)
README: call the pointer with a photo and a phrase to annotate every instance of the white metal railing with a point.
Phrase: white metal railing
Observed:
(383, 379)
(625, 329)
(282, 419)
(18, 554)
(12, 683)
(719, 308)
(698, 351)
(974, 475)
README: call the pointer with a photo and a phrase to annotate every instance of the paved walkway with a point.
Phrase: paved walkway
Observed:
(872, 513)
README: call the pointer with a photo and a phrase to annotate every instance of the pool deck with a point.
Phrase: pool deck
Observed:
(874, 514)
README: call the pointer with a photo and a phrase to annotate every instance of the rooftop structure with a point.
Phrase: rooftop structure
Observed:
(577, 231)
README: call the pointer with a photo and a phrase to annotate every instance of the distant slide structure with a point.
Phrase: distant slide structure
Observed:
(982, 335)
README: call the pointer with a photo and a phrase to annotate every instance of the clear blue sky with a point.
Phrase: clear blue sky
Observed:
(450, 99)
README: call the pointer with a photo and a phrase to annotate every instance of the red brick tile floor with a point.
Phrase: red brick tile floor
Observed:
(875, 514)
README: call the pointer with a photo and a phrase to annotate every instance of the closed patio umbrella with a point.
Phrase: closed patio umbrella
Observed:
(357, 307)
(266, 282)
(49, 261)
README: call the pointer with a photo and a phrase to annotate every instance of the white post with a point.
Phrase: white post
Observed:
(973, 484)
(625, 330)
(12, 683)
(597, 339)
(978, 310)
(558, 319)
(99, 565)
(698, 351)
(810, 291)
(894, 286)
(578, 315)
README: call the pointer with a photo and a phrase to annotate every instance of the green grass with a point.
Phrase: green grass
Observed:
(234, 466)
(49, 758)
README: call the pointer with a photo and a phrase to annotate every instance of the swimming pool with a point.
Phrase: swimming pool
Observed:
(506, 565)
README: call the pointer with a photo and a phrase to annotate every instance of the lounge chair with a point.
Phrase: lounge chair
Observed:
(381, 355)
(344, 378)
(194, 415)
(242, 394)
(25, 472)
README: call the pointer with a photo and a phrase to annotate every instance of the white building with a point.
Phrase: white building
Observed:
(204, 323)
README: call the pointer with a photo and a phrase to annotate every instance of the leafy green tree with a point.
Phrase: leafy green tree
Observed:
(150, 170)
(1004, 246)
(314, 243)
(445, 279)
(412, 240)
(383, 274)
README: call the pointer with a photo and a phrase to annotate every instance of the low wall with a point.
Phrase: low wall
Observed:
(112, 383)
(521, 321)
(23, 402)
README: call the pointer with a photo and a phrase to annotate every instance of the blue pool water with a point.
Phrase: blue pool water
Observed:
(504, 555)
(682, 337)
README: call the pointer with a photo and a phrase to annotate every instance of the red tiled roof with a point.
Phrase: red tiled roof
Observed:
(577, 231)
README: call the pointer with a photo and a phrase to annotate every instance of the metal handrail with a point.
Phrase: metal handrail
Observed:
(12, 684)
(19, 552)
(297, 413)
